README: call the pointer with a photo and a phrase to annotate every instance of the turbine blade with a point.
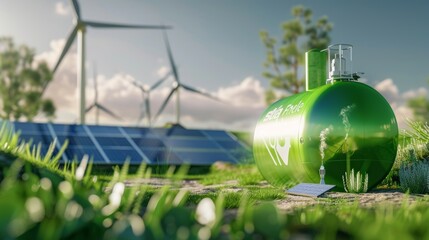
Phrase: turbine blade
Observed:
(135, 83)
(170, 57)
(165, 103)
(200, 92)
(76, 8)
(90, 108)
(118, 25)
(160, 81)
(104, 109)
(66, 47)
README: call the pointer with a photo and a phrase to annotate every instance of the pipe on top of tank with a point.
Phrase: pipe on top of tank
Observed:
(329, 65)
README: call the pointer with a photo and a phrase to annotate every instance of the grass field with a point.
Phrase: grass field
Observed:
(40, 200)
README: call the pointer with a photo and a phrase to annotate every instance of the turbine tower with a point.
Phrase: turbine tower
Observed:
(97, 105)
(79, 29)
(177, 84)
(145, 105)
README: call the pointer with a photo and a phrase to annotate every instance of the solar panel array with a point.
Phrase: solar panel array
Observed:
(154, 146)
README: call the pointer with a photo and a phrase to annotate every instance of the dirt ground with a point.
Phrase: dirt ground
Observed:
(390, 196)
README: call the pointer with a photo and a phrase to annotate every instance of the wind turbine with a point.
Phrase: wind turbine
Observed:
(177, 84)
(145, 105)
(79, 29)
(96, 104)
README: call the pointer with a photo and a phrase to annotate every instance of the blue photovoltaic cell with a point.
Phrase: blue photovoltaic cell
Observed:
(217, 134)
(148, 142)
(119, 156)
(78, 153)
(191, 143)
(137, 132)
(105, 130)
(36, 139)
(153, 154)
(76, 140)
(27, 127)
(114, 144)
(184, 132)
(161, 156)
(112, 141)
(64, 129)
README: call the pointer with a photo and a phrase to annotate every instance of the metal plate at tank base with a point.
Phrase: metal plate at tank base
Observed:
(310, 189)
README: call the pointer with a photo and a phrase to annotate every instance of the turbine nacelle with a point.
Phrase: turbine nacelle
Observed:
(175, 85)
(146, 88)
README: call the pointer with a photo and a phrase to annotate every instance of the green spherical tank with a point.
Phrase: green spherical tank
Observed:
(345, 120)
(344, 125)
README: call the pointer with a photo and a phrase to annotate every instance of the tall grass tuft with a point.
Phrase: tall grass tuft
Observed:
(420, 131)
(355, 183)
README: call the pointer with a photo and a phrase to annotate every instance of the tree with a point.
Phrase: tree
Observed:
(420, 107)
(21, 83)
(299, 35)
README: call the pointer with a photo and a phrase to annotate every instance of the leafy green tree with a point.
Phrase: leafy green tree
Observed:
(284, 63)
(21, 83)
(420, 107)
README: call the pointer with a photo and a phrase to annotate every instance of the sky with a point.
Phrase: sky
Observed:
(217, 48)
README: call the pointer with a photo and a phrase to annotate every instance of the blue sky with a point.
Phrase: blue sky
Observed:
(216, 43)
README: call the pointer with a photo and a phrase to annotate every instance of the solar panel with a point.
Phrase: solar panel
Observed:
(138, 132)
(204, 157)
(310, 189)
(155, 146)
(217, 134)
(199, 143)
(27, 127)
(105, 130)
(146, 142)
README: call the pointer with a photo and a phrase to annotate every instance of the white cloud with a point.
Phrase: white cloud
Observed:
(248, 93)
(62, 89)
(239, 110)
(398, 101)
(62, 9)
(162, 71)
(420, 92)
(388, 89)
